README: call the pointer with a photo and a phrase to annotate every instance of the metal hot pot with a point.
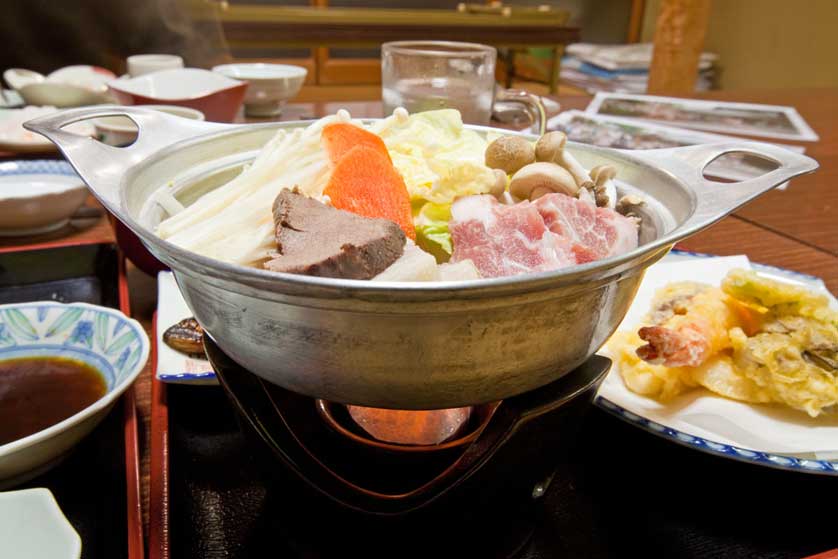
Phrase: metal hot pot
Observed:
(400, 345)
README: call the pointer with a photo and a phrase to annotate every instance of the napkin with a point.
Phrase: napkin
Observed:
(172, 365)
(770, 428)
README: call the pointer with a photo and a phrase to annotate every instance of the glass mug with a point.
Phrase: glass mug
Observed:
(428, 75)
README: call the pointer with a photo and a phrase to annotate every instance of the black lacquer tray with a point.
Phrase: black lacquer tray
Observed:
(616, 492)
(90, 485)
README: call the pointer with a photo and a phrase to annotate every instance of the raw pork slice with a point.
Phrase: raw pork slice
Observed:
(505, 240)
(553, 232)
(596, 233)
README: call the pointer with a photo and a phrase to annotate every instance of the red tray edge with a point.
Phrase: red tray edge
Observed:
(158, 523)
(133, 500)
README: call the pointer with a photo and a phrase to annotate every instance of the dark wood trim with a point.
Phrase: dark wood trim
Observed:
(635, 26)
(277, 34)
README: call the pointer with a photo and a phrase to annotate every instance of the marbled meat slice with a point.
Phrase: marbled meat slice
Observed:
(318, 240)
(595, 233)
(505, 240)
(553, 232)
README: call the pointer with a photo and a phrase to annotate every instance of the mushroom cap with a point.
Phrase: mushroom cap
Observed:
(509, 153)
(549, 146)
(602, 173)
(501, 180)
(537, 179)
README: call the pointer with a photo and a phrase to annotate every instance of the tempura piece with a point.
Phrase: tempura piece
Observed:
(719, 374)
(780, 361)
(793, 357)
(779, 298)
(656, 381)
(755, 340)
(690, 323)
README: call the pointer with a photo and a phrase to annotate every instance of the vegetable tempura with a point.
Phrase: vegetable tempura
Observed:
(755, 340)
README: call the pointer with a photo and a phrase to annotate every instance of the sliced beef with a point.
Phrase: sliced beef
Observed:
(553, 232)
(318, 240)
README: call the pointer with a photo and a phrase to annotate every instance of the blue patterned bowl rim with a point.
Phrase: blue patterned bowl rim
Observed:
(778, 461)
(37, 167)
(133, 332)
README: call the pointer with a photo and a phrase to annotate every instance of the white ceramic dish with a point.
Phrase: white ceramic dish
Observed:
(271, 85)
(217, 96)
(71, 86)
(15, 138)
(38, 196)
(104, 338)
(32, 526)
(173, 366)
(11, 99)
(765, 435)
(140, 64)
(173, 85)
(121, 131)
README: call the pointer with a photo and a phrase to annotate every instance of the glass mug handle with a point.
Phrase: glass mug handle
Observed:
(531, 103)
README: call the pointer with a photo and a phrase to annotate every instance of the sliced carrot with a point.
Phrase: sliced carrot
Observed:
(340, 137)
(365, 182)
(751, 319)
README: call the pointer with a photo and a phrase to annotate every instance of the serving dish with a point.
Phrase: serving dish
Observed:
(173, 366)
(71, 86)
(765, 435)
(217, 96)
(271, 85)
(32, 526)
(38, 196)
(357, 342)
(103, 338)
(16, 139)
(10, 99)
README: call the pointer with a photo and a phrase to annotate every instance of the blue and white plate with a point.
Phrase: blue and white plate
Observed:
(767, 435)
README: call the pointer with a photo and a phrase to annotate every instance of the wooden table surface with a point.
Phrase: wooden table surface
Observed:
(794, 229)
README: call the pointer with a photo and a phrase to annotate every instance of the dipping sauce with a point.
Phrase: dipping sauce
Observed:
(37, 392)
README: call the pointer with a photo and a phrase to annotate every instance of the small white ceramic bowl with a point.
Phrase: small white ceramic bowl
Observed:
(71, 86)
(38, 196)
(140, 64)
(32, 526)
(104, 338)
(121, 131)
(271, 85)
(61, 95)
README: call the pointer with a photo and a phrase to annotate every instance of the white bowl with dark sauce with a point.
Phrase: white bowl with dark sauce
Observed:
(62, 368)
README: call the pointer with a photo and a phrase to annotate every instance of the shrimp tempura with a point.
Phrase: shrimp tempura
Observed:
(690, 323)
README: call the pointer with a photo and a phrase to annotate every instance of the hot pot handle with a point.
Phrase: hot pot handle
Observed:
(101, 166)
(715, 200)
